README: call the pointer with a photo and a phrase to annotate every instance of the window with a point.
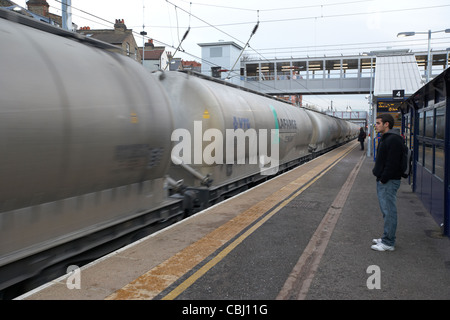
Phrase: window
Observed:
(429, 156)
(439, 162)
(315, 69)
(440, 122)
(367, 67)
(350, 68)
(215, 52)
(333, 68)
(421, 123)
(267, 71)
(252, 72)
(420, 153)
(284, 71)
(429, 124)
(299, 68)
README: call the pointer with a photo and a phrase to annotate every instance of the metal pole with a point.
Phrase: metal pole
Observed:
(67, 14)
(143, 33)
(143, 46)
(429, 62)
(371, 113)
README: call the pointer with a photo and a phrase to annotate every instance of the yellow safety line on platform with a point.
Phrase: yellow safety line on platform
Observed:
(152, 283)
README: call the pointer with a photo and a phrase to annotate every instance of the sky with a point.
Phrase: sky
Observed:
(287, 28)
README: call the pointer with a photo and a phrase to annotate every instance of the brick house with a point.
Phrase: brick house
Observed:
(155, 58)
(119, 36)
(191, 65)
(37, 9)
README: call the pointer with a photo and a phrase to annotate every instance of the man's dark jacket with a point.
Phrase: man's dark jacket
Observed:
(389, 156)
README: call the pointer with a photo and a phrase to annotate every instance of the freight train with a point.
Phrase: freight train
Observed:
(94, 147)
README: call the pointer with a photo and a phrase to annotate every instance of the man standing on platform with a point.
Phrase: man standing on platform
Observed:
(387, 169)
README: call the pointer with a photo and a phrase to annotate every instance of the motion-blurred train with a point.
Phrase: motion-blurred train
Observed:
(87, 144)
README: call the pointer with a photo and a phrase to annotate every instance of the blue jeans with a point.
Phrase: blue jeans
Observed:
(387, 197)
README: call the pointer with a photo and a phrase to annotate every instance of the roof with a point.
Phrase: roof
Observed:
(190, 64)
(109, 36)
(152, 54)
(428, 91)
(7, 3)
(396, 72)
(12, 6)
(220, 43)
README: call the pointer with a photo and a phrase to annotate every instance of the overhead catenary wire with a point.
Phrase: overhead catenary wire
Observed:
(280, 9)
(313, 17)
(184, 36)
(254, 31)
(227, 34)
(259, 54)
(242, 51)
(341, 48)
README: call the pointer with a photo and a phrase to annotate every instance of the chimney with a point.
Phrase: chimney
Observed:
(150, 44)
(38, 6)
(120, 25)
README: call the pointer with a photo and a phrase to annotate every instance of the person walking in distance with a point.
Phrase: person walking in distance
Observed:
(387, 169)
(361, 137)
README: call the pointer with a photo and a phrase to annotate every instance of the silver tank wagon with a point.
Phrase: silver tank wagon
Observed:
(84, 140)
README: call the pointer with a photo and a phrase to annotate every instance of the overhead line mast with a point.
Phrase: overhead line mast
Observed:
(67, 14)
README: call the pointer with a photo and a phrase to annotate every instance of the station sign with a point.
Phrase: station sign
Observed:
(398, 94)
(388, 106)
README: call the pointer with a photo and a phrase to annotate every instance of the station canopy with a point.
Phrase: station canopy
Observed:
(396, 72)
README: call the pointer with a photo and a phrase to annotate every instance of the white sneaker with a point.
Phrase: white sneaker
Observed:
(376, 241)
(382, 247)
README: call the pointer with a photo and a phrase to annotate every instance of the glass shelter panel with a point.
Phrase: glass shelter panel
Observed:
(429, 156)
(333, 69)
(440, 123)
(315, 69)
(284, 70)
(252, 72)
(439, 162)
(267, 71)
(299, 68)
(429, 124)
(350, 67)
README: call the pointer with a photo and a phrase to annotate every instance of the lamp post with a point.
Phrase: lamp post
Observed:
(429, 32)
(143, 34)
(372, 111)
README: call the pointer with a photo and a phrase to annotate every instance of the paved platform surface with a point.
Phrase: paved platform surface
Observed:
(303, 235)
(419, 268)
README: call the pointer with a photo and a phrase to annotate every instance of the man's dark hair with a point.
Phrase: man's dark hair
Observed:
(386, 117)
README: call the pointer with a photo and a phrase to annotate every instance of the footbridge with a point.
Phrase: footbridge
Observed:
(353, 74)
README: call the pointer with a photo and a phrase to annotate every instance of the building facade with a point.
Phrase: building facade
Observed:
(155, 58)
(120, 36)
(220, 56)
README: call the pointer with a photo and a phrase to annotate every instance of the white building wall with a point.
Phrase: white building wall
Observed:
(154, 65)
(223, 54)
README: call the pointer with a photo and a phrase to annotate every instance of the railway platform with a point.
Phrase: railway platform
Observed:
(303, 235)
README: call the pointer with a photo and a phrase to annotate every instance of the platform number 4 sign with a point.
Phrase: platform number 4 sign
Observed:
(398, 94)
